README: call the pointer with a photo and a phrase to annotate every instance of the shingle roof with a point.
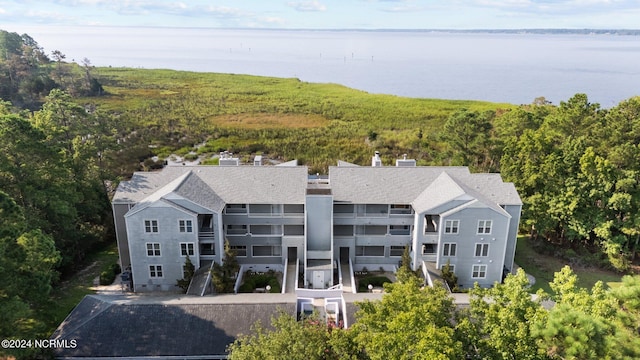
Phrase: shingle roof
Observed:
(404, 185)
(384, 185)
(232, 184)
(119, 329)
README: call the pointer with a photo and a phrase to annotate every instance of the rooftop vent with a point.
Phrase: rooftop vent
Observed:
(375, 160)
(404, 162)
(227, 159)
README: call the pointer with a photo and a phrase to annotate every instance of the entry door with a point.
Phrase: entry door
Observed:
(292, 254)
(318, 279)
(344, 255)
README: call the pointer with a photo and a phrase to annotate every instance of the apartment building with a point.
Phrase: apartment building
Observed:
(365, 215)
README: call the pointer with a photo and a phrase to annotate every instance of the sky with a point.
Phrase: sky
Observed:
(325, 14)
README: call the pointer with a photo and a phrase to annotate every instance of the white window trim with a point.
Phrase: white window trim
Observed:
(457, 227)
(479, 266)
(482, 246)
(193, 248)
(484, 227)
(151, 221)
(156, 271)
(444, 246)
(153, 249)
(186, 228)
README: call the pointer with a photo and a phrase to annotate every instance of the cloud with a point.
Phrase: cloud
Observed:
(307, 6)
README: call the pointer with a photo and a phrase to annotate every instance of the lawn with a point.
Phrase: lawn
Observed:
(543, 267)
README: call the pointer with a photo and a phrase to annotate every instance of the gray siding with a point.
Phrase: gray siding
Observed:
(466, 241)
(169, 237)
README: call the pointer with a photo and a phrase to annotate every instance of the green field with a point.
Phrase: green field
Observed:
(282, 118)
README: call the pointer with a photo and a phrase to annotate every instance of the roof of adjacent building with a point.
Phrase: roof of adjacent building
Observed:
(111, 327)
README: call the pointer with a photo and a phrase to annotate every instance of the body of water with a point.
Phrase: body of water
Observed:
(513, 68)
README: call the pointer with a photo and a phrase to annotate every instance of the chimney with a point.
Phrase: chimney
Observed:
(376, 161)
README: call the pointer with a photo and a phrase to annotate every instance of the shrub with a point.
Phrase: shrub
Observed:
(376, 281)
(253, 281)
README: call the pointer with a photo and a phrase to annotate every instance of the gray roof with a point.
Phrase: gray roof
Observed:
(384, 185)
(230, 184)
(104, 328)
(404, 185)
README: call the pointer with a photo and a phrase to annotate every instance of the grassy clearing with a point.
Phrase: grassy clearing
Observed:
(69, 292)
(543, 267)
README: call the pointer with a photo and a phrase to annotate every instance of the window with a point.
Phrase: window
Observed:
(484, 227)
(400, 209)
(187, 249)
(343, 230)
(451, 226)
(207, 249)
(184, 271)
(236, 209)
(372, 230)
(241, 250)
(294, 230)
(482, 249)
(155, 271)
(369, 250)
(153, 249)
(236, 229)
(396, 250)
(399, 229)
(266, 229)
(429, 249)
(267, 251)
(293, 209)
(151, 226)
(452, 267)
(449, 249)
(343, 210)
(479, 272)
(185, 226)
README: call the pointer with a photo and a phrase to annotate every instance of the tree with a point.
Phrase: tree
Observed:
(498, 323)
(307, 339)
(409, 322)
(467, 135)
(584, 324)
(223, 276)
(189, 270)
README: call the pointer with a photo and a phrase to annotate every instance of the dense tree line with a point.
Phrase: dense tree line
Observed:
(54, 205)
(27, 74)
(501, 323)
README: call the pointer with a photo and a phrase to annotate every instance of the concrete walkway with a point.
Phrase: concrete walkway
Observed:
(292, 279)
(346, 278)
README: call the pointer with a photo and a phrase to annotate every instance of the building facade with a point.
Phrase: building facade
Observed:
(363, 215)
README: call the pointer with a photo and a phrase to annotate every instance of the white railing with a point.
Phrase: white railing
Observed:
(425, 272)
(236, 287)
(208, 281)
(339, 271)
(284, 276)
(354, 288)
(297, 273)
